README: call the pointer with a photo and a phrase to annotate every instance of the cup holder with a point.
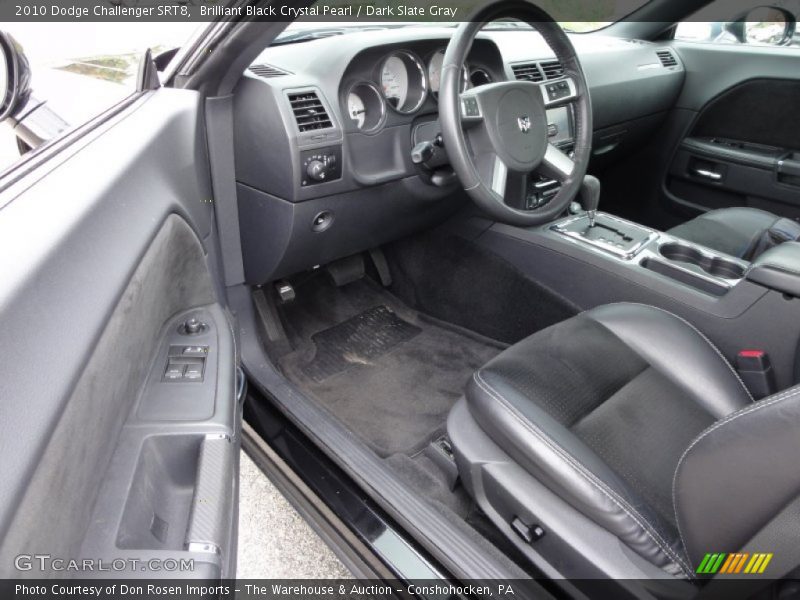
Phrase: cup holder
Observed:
(713, 265)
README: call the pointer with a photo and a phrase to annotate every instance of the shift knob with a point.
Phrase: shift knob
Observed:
(590, 196)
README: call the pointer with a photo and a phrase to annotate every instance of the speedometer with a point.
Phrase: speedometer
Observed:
(403, 81)
(394, 80)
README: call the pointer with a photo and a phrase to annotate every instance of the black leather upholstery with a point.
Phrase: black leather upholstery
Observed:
(778, 269)
(741, 232)
(738, 474)
(600, 409)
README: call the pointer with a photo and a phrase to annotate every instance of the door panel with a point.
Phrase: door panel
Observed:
(104, 256)
(740, 149)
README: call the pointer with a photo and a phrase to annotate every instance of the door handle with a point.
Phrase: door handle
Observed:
(706, 174)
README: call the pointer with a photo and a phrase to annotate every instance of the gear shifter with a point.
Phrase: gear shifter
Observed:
(590, 197)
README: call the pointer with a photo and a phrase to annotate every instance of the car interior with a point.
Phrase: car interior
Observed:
(535, 291)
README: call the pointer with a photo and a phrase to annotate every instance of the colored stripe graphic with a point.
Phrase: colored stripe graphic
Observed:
(737, 562)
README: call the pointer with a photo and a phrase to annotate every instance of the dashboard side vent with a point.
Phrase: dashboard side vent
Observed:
(267, 71)
(552, 69)
(309, 111)
(667, 58)
(527, 72)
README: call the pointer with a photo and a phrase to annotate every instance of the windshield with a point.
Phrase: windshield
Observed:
(574, 17)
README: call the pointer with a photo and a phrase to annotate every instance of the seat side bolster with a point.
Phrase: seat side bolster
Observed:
(557, 458)
(737, 474)
(682, 354)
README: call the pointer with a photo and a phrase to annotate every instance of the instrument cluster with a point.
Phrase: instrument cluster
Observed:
(402, 82)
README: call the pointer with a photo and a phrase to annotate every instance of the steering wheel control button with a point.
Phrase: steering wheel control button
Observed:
(558, 91)
(470, 107)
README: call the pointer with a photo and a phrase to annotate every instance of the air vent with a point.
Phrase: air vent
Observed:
(267, 71)
(527, 72)
(667, 59)
(552, 69)
(309, 112)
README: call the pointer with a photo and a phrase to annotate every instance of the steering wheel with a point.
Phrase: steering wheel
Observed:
(496, 135)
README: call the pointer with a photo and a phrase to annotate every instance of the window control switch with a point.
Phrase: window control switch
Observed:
(174, 372)
(193, 372)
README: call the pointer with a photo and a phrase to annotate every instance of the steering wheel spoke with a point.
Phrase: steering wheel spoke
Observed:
(556, 164)
(490, 167)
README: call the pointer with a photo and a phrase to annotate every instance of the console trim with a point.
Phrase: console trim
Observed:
(560, 227)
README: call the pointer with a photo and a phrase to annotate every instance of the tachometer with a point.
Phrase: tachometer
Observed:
(403, 81)
(435, 73)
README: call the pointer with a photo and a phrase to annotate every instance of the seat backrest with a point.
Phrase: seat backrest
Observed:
(737, 474)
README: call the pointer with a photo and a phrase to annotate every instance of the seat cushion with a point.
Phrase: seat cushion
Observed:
(741, 232)
(600, 408)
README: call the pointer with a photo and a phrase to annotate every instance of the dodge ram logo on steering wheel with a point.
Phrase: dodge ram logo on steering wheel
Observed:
(524, 124)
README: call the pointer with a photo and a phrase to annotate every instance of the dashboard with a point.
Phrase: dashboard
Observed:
(327, 132)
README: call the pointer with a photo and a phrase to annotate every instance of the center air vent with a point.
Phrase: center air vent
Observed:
(667, 58)
(552, 69)
(538, 71)
(527, 72)
(267, 71)
(309, 112)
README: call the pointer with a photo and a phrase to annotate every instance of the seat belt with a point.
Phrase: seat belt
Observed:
(779, 537)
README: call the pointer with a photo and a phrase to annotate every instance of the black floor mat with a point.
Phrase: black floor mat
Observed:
(357, 341)
(388, 373)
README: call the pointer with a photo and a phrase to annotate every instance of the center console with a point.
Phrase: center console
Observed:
(736, 304)
(682, 261)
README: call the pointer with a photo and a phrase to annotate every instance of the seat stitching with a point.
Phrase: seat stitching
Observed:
(698, 332)
(731, 417)
(582, 470)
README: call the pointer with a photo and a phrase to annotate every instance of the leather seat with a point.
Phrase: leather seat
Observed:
(632, 420)
(741, 232)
